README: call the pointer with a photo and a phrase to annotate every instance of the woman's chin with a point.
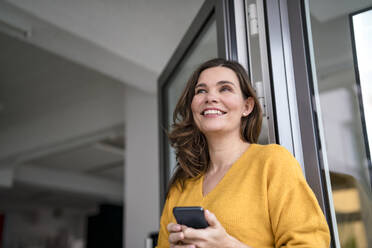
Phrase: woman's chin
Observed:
(214, 131)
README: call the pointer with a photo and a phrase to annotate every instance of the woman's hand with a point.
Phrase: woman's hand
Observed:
(213, 236)
(175, 235)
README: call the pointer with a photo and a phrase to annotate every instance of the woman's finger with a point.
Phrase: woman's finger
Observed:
(191, 234)
(211, 219)
(174, 227)
(182, 246)
(175, 237)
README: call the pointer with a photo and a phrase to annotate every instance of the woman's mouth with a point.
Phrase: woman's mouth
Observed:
(210, 112)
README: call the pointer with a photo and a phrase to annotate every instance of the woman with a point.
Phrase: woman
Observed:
(254, 195)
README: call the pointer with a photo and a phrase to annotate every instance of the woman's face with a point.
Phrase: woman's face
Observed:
(218, 104)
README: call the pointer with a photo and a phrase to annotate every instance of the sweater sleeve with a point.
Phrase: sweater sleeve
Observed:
(296, 218)
(163, 232)
(167, 217)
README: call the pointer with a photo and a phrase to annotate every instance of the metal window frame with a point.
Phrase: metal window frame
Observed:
(222, 11)
(284, 68)
(288, 34)
(288, 131)
(265, 68)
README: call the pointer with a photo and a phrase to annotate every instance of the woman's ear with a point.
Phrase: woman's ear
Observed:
(248, 107)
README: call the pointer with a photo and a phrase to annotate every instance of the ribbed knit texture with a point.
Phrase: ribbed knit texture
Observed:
(263, 200)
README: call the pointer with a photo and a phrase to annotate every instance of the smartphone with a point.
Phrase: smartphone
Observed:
(190, 216)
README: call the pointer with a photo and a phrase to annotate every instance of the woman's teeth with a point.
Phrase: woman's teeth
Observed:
(212, 112)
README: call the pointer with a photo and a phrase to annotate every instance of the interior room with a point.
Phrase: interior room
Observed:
(78, 113)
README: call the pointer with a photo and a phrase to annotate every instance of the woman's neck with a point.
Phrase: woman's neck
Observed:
(224, 151)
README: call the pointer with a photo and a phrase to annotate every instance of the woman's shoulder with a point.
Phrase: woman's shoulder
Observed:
(178, 188)
(274, 158)
(270, 151)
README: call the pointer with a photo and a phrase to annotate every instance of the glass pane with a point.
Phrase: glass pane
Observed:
(362, 27)
(204, 48)
(340, 119)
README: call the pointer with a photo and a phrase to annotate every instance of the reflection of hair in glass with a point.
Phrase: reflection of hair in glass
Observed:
(189, 143)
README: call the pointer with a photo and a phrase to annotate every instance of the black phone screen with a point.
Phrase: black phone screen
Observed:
(190, 216)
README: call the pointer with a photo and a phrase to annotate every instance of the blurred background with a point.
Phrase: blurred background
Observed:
(87, 89)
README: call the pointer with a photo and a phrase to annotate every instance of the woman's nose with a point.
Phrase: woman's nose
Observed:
(211, 97)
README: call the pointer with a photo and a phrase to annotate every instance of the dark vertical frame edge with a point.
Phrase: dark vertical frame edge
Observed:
(269, 57)
(226, 34)
(304, 93)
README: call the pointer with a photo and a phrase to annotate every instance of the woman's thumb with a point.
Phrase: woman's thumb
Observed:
(211, 218)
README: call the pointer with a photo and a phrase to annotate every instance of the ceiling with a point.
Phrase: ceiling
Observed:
(35, 82)
(324, 11)
(112, 37)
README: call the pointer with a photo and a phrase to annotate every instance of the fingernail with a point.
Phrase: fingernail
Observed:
(207, 211)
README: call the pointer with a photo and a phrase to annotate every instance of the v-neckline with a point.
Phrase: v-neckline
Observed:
(201, 189)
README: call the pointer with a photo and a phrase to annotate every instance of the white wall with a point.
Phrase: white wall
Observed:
(141, 183)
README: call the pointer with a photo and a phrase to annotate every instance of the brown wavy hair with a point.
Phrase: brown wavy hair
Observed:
(190, 144)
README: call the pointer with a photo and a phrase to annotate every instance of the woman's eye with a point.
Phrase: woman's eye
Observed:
(225, 88)
(198, 91)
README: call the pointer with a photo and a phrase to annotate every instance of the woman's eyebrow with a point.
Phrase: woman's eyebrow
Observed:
(225, 82)
(200, 85)
(218, 83)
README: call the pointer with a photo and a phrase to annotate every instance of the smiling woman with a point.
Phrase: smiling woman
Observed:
(218, 105)
(217, 122)
(188, 140)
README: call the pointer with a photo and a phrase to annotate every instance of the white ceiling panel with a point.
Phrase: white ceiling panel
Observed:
(328, 10)
(79, 159)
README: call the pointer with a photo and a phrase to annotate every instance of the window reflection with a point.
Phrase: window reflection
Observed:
(340, 119)
(353, 211)
(362, 39)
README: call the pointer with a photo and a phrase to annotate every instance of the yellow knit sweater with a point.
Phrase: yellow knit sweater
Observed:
(263, 200)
